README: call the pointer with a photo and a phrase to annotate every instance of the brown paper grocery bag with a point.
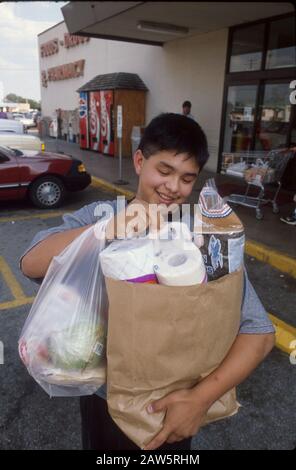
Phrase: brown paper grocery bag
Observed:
(162, 339)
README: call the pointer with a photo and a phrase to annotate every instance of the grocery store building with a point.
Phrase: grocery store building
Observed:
(235, 62)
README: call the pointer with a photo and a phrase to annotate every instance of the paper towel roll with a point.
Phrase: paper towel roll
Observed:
(129, 260)
(180, 268)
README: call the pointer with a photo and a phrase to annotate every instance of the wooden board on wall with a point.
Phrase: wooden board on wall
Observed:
(133, 114)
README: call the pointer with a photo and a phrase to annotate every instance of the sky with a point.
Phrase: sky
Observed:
(20, 23)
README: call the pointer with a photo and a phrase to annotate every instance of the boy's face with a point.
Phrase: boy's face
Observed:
(165, 178)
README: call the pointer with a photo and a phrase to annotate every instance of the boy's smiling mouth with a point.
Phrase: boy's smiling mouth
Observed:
(166, 199)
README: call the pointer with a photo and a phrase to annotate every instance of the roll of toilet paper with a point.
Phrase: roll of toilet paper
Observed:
(175, 231)
(129, 260)
(180, 268)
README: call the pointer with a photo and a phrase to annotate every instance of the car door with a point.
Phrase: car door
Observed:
(9, 176)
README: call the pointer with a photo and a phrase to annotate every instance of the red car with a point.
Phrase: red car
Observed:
(42, 176)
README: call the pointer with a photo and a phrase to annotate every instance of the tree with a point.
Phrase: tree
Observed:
(19, 99)
(34, 104)
(15, 98)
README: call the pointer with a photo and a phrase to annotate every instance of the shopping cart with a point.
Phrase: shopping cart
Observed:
(263, 169)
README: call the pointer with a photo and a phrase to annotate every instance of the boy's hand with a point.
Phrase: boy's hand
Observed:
(184, 416)
(133, 221)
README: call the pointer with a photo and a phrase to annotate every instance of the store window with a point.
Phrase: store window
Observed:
(247, 48)
(240, 114)
(274, 117)
(258, 114)
(281, 44)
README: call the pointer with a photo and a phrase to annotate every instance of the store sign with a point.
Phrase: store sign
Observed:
(71, 40)
(49, 48)
(44, 78)
(52, 47)
(63, 72)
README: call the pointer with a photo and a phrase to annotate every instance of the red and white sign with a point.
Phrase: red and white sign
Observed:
(83, 121)
(94, 121)
(106, 138)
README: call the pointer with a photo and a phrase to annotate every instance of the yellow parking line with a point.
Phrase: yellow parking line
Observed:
(285, 335)
(278, 260)
(34, 216)
(17, 292)
(10, 280)
(16, 303)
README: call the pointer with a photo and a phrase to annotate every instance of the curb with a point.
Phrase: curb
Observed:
(276, 259)
(103, 184)
(285, 336)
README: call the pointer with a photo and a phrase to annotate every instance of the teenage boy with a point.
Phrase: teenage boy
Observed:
(171, 154)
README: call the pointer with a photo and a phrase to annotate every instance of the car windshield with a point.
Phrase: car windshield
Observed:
(17, 152)
(9, 152)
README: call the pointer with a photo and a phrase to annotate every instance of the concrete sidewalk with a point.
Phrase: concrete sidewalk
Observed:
(270, 231)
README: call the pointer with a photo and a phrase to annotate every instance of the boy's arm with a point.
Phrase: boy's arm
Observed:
(51, 242)
(36, 262)
(186, 409)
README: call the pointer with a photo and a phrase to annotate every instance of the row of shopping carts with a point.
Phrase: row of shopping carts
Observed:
(261, 169)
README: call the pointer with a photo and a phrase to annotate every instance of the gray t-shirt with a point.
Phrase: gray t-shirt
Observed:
(254, 319)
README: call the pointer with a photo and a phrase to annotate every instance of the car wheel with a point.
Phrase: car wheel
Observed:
(47, 192)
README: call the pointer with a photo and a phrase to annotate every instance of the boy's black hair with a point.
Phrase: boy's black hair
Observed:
(186, 103)
(175, 132)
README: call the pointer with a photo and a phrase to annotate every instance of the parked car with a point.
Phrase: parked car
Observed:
(21, 141)
(28, 121)
(17, 116)
(43, 177)
(10, 125)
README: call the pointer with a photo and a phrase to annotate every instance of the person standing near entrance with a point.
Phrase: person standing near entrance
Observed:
(290, 219)
(187, 110)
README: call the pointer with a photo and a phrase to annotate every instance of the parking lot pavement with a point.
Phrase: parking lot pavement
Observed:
(266, 419)
(29, 419)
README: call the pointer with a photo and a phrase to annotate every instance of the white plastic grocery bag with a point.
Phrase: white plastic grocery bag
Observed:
(63, 341)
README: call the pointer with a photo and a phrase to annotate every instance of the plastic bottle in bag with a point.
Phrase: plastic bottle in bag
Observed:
(222, 232)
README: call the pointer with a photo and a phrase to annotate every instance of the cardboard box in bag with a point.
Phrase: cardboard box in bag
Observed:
(162, 339)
